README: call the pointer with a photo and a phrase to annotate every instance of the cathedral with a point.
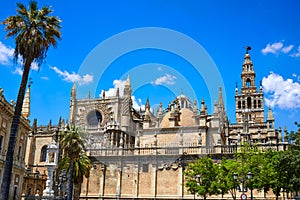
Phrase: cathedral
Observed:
(143, 154)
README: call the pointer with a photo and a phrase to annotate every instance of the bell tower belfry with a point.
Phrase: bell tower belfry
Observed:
(249, 101)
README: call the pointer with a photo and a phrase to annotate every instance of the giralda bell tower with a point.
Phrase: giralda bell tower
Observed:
(249, 101)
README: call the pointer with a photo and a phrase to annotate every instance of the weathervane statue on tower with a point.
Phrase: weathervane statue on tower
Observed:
(248, 48)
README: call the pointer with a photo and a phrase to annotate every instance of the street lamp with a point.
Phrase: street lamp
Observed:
(28, 170)
(198, 179)
(36, 175)
(61, 187)
(250, 176)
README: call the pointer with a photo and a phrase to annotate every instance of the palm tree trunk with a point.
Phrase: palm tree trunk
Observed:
(77, 191)
(70, 181)
(7, 172)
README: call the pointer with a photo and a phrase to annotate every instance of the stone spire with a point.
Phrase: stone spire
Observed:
(127, 88)
(147, 106)
(270, 116)
(195, 109)
(220, 99)
(147, 116)
(26, 104)
(216, 111)
(73, 91)
(203, 108)
(73, 104)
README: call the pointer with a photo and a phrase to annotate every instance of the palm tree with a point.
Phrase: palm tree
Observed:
(34, 32)
(82, 166)
(72, 145)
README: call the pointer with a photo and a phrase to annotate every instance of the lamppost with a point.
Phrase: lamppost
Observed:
(198, 181)
(36, 176)
(243, 189)
(61, 187)
(250, 176)
(28, 170)
(51, 163)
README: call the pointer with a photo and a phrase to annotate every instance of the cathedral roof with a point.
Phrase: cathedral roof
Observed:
(186, 118)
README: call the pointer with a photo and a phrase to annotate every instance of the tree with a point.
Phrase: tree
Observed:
(202, 177)
(34, 32)
(291, 158)
(82, 166)
(226, 182)
(282, 169)
(72, 145)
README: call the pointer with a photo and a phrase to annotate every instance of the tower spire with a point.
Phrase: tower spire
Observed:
(127, 88)
(220, 98)
(147, 106)
(73, 103)
(73, 91)
(248, 100)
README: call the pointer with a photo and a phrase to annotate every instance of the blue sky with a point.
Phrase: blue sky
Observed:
(94, 31)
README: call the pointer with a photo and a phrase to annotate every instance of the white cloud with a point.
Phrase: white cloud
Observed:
(18, 71)
(272, 48)
(276, 48)
(45, 78)
(112, 91)
(136, 103)
(294, 75)
(166, 79)
(287, 48)
(280, 92)
(6, 54)
(34, 66)
(72, 77)
(296, 54)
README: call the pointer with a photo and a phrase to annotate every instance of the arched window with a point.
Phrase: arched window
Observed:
(239, 105)
(1, 142)
(249, 102)
(254, 104)
(243, 104)
(19, 152)
(43, 153)
(259, 104)
(248, 82)
(94, 117)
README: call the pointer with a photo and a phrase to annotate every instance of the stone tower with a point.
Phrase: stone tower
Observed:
(249, 101)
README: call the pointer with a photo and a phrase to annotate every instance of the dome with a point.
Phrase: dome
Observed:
(186, 119)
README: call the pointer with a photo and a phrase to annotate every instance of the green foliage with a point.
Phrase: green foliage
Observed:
(82, 166)
(34, 31)
(75, 160)
(202, 177)
(276, 170)
(72, 142)
(226, 181)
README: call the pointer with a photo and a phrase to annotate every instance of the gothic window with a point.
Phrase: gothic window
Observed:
(94, 117)
(248, 82)
(43, 153)
(249, 102)
(254, 104)
(19, 152)
(1, 142)
(258, 104)
(239, 105)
